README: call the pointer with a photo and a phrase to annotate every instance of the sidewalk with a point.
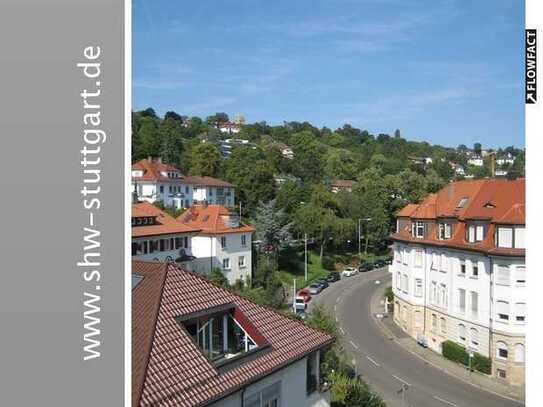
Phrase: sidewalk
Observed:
(393, 332)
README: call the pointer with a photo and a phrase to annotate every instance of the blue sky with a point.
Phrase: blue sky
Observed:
(444, 71)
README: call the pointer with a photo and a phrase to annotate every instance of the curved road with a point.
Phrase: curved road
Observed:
(384, 364)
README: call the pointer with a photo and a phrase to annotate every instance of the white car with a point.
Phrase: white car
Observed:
(349, 271)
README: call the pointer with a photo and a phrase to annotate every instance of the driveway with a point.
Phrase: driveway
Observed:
(384, 364)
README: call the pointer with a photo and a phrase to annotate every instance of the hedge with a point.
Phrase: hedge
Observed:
(457, 353)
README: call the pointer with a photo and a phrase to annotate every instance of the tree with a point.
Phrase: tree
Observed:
(397, 134)
(148, 138)
(271, 224)
(171, 142)
(477, 148)
(218, 277)
(309, 155)
(218, 119)
(289, 196)
(205, 160)
(174, 116)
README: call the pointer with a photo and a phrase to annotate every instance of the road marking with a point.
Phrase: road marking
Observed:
(342, 331)
(445, 401)
(354, 344)
(337, 320)
(401, 380)
(373, 361)
(335, 308)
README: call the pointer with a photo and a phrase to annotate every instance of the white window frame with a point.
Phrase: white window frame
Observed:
(502, 346)
(226, 264)
(503, 311)
(418, 287)
(503, 275)
(241, 262)
(501, 237)
(461, 333)
(479, 233)
(461, 310)
(418, 229)
(520, 276)
(418, 258)
(223, 242)
(520, 312)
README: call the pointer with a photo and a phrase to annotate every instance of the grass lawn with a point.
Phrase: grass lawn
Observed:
(291, 264)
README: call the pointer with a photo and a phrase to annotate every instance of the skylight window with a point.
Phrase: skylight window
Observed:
(220, 336)
(136, 279)
(462, 202)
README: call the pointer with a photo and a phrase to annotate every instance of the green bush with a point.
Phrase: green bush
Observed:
(328, 263)
(457, 353)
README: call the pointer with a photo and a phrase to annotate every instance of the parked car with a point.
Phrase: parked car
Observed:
(314, 288)
(363, 267)
(379, 263)
(322, 282)
(305, 294)
(300, 304)
(333, 277)
(348, 271)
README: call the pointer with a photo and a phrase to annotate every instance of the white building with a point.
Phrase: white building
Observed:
(155, 181)
(508, 159)
(476, 160)
(216, 348)
(286, 151)
(223, 243)
(157, 236)
(459, 271)
(229, 128)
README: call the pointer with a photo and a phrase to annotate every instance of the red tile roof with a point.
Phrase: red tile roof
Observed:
(497, 201)
(210, 219)
(165, 224)
(206, 181)
(168, 367)
(343, 183)
(152, 169)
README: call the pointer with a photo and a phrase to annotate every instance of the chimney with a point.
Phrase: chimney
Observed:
(150, 159)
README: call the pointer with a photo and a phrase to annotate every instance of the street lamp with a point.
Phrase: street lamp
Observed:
(359, 235)
(305, 261)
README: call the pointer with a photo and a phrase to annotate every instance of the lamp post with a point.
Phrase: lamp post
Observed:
(359, 235)
(305, 261)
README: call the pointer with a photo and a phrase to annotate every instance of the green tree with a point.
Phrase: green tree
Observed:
(309, 153)
(171, 142)
(204, 160)
(148, 138)
(271, 224)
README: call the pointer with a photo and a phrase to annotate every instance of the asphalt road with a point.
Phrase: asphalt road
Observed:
(384, 364)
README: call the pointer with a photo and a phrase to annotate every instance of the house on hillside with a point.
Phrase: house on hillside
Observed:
(229, 128)
(153, 180)
(157, 236)
(342, 185)
(196, 344)
(286, 151)
(224, 242)
(459, 272)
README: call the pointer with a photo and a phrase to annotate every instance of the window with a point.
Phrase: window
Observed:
(474, 337)
(520, 312)
(418, 258)
(519, 238)
(505, 237)
(462, 268)
(405, 283)
(178, 242)
(241, 262)
(418, 287)
(503, 275)
(434, 322)
(443, 265)
(418, 229)
(435, 261)
(135, 248)
(226, 264)
(502, 309)
(501, 350)
(443, 325)
(162, 189)
(462, 333)
(501, 373)
(243, 240)
(461, 300)
(223, 242)
(405, 256)
(479, 233)
(520, 275)
(462, 202)
(475, 270)
(471, 234)
(444, 231)
(444, 296)
(186, 190)
(474, 303)
(312, 380)
(519, 353)
(398, 280)
(433, 293)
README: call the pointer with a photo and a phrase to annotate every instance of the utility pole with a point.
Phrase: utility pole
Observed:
(294, 298)
(305, 262)
(359, 246)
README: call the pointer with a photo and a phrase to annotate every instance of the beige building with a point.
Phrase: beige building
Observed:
(459, 272)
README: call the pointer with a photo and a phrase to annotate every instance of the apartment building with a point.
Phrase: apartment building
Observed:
(154, 180)
(459, 271)
(223, 243)
(157, 236)
(196, 344)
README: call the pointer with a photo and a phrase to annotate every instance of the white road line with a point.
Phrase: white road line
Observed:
(445, 401)
(354, 344)
(342, 331)
(401, 380)
(373, 361)
(337, 320)
(335, 308)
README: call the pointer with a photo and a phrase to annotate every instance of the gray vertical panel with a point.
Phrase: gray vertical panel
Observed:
(41, 321)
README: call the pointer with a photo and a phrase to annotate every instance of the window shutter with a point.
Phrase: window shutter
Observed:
(505, 237)
(519, 238)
